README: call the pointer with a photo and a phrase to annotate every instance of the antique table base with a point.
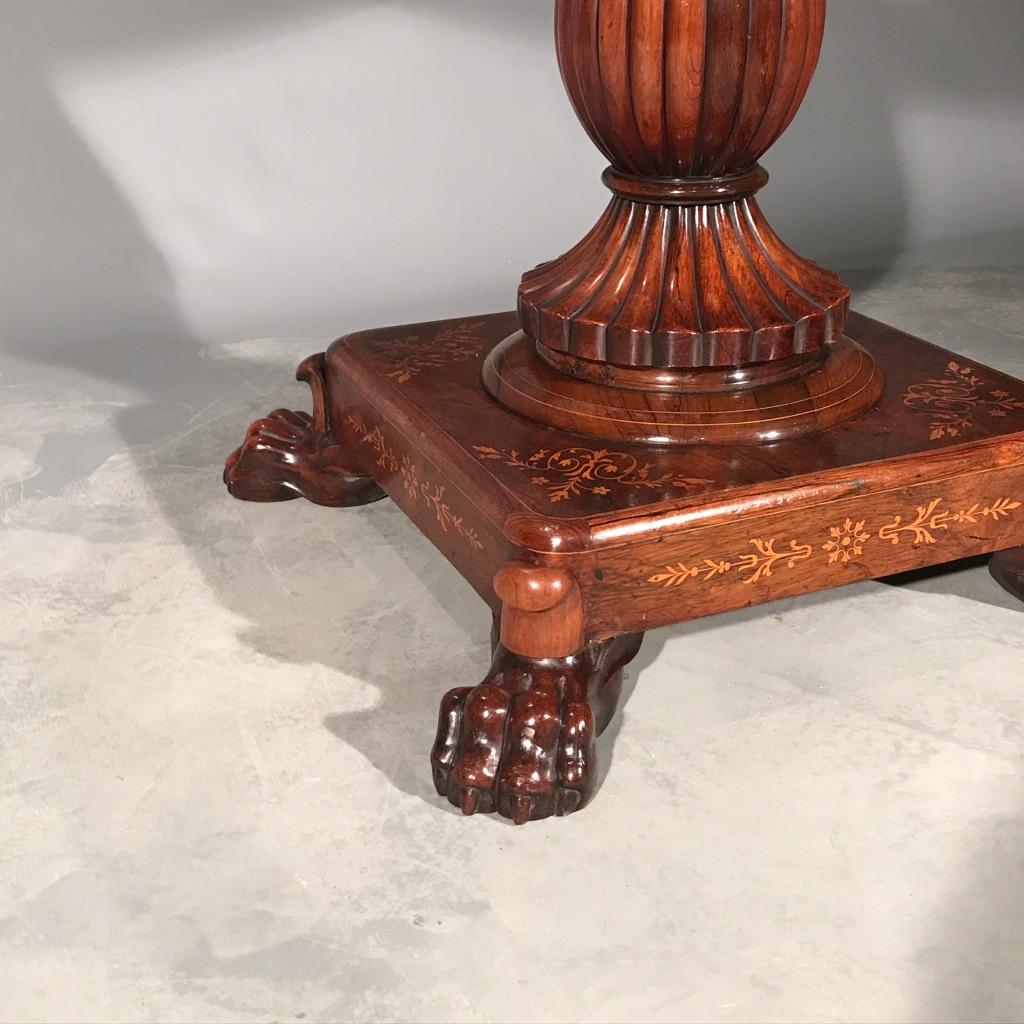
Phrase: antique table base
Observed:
(580, 546)
(680, 419)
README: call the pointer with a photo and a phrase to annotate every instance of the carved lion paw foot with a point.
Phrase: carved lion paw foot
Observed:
(523, 743)
(290, 455)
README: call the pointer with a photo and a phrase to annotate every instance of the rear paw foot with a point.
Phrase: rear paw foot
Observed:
(1007, 567)
(290, 455)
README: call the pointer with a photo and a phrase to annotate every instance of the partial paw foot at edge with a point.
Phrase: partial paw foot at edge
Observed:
(1007, 568)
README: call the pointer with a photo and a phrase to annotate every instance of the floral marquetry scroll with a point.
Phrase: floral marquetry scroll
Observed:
(845, 543)
(955, 401)
(414, 355)
(934, 518)
(758, 564)
(683, 417)
(571, 472)
(430, 493)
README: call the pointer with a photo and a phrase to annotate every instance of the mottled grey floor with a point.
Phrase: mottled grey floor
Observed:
(215, 802)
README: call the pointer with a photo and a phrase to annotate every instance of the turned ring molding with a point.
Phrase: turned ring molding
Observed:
(686, 191)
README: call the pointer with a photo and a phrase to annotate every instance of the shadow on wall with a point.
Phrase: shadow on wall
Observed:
(86, 290)
(839, 190)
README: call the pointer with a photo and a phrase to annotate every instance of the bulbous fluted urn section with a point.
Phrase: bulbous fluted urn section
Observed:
(683, 270)
(687, 88)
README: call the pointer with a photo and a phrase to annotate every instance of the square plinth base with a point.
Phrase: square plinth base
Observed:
(581, 546)
(935, 472)
(646, 536)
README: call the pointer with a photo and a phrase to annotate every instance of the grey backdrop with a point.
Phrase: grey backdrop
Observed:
(181, 173)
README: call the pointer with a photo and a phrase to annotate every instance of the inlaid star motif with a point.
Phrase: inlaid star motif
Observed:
(846, 542)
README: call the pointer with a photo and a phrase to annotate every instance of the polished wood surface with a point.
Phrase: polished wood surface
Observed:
(683, 270)
(523, 742)
(541, 610)
(288, 455)
(551, 477)
(771, 402)
(655, 534)
(682, 418)
(574, 544)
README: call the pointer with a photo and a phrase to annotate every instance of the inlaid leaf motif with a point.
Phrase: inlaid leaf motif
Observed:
(571, 472)
(954, 402)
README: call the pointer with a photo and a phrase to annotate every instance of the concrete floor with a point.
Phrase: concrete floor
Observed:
(215, 797)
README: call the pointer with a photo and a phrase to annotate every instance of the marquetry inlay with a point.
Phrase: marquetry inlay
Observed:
(955, 401)
(845, 542)
(571, 472)
(420, 488)
(414, 355)
(758, 564)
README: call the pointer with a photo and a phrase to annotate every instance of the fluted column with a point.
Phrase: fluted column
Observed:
(683, 270)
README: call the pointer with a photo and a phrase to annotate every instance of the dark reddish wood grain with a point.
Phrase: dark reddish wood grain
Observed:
(574, 543)
(288, 455)
(754, 450)
(1007, 568)
(767, 402)
(632, 524)
(523, 742)
(683, 270)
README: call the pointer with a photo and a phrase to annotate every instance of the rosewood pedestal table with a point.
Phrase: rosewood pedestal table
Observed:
(682, 418)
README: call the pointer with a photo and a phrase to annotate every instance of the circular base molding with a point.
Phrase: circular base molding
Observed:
(745, 405)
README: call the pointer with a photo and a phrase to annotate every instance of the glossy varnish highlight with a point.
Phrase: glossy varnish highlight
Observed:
(687, 88)
(698, 433)
(579, 546)
(683, 270)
